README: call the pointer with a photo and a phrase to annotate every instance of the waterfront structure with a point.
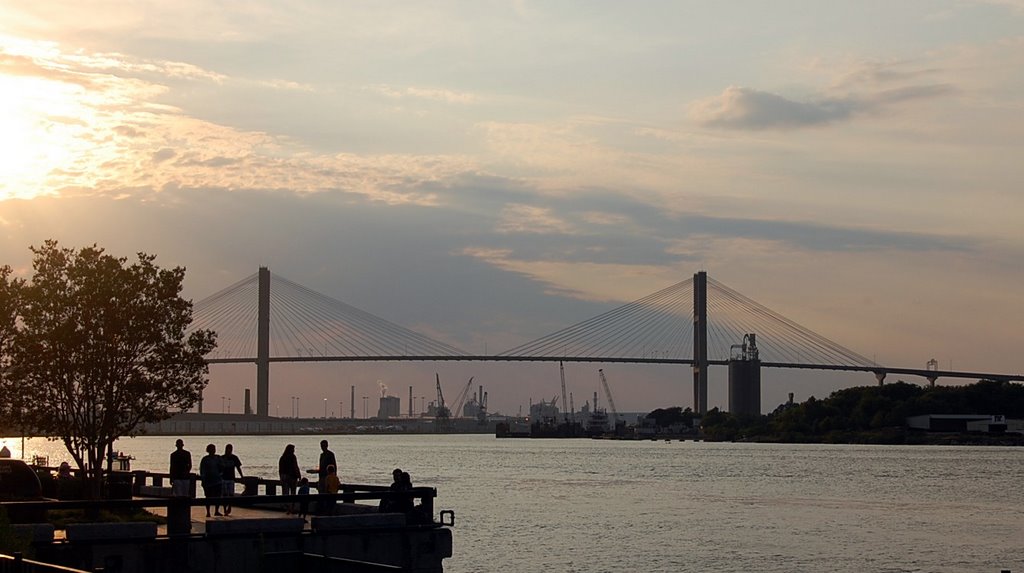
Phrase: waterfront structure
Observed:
(349, 535)
(745, 378)
(390, 407)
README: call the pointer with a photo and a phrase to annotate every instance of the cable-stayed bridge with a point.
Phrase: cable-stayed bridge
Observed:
(700, 322)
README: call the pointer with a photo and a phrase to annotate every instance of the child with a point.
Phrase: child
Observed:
(303, 505)
(331, 485)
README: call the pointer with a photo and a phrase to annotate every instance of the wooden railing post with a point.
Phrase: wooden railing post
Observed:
(179, 516)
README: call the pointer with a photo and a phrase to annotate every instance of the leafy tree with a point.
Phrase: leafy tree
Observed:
(100, 348)
(10, 289)
(664, 417)
(9, 293)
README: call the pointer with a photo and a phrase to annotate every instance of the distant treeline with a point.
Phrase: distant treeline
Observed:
(864, 414)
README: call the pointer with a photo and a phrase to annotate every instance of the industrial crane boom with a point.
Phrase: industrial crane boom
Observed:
(442, 410)
(460, 400)
(608, 394)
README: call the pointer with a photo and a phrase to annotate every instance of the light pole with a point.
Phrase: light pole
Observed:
(222, 404)
(296, 406)
(229, 405)
(325, 408)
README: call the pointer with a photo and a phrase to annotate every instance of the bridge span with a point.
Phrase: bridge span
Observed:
(697, 323)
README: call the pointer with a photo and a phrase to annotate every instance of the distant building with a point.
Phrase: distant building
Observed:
(997, 425)
(544, 411)
(390, 407)
(965, 423)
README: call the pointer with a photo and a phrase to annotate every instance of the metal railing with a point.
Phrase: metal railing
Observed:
(157, 485)
(179, 509)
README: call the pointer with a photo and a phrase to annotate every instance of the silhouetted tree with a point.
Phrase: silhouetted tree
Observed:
(665, 417)
(100, 347)
(10, 292)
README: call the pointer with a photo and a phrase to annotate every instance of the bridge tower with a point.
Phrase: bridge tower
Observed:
(700, 342)
(263, 345)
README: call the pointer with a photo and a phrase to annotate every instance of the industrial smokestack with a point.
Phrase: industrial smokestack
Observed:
(410, 401)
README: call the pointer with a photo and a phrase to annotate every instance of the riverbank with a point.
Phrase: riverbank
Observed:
(195, 424)
(891, 437)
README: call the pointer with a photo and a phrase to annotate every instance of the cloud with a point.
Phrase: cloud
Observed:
(855, 89)
(425, 93)
(1015, 5)
(750, 109)
(530, 219)
(123, 137)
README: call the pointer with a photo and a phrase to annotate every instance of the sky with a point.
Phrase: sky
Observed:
(489, 172)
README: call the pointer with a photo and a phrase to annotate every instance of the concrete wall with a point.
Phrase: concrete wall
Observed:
(243, 545)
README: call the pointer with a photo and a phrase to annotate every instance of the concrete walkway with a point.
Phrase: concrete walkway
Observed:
(199, 518)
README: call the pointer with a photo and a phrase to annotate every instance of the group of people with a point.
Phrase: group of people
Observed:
(216, 474)
(399, 503)
(292, 481)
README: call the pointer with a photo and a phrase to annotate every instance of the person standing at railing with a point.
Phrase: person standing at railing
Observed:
(210, 475)
(181, 469)
(288, 470)
(229, 462)
(326, 460)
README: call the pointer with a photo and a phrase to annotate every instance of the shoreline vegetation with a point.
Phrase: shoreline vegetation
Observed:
(873, 415)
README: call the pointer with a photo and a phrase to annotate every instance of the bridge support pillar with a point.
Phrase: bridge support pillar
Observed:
(880, 376)
(263, 345)
(700, 342)
(931, 381)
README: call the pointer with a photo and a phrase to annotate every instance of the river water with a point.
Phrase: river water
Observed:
(615, 506)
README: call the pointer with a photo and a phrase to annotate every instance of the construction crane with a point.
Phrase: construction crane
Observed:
(442, 411)
(565, 401)
(460, 400)
(608, 395)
